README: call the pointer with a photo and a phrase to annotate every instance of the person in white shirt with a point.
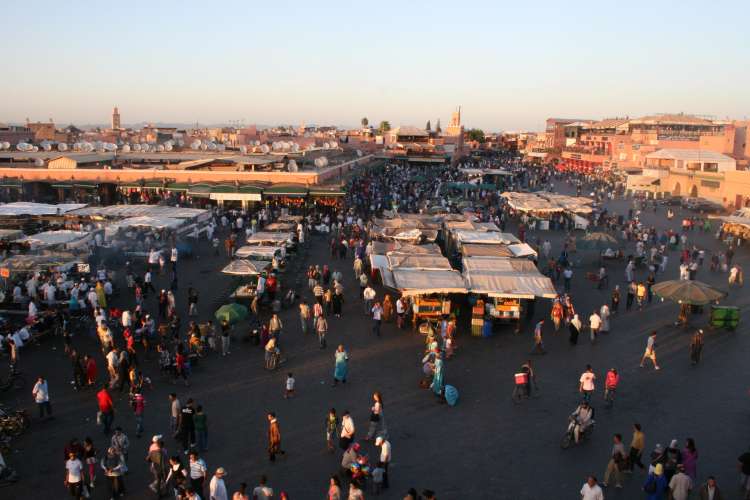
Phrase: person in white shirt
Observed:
(586, 383)
(74, 475)
(41, 397)
(93, 298)
(385, 456)
(108, 288)
(32, 310)
(591, 490)
(262, 491)
(126, 319)
(595, 323)
(217, 490)
(347, 430)
(369, 295)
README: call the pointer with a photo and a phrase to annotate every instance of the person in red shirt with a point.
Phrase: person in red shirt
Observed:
(106, 408)
(610, 385)
(180, 362)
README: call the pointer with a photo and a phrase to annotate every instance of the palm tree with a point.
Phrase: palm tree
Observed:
(427, 127)
(384, 126)
(365, 122)
(437, 127)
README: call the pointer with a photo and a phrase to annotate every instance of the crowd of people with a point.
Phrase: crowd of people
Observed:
(139, 327)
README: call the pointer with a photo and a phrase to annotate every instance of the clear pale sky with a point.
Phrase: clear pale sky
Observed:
(510, 66)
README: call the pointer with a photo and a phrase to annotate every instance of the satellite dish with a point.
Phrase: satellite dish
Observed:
(136, 147)
(126, 148)
(160, 148)
(181, 143)
(47, 146)
(39, 162)
(295, 147)
(359, 153)
(243, 150)
(265, 149)
(204, 147)
(35, 149)
(6, 145)
(292, 166)
(62, 147)
(168, 146)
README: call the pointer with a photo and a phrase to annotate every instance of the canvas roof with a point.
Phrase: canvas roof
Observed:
(510, 278)
(53, 238)
(425, 282)
(122, 211)
(263, 251)
(688, 155)
(27, 208)
(417, 261)
(266, 236)
(484, 237)
(242, 267)
(383, 247)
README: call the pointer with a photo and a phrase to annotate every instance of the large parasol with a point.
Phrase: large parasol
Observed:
(232, 313)
(597, 241)
(688, 292)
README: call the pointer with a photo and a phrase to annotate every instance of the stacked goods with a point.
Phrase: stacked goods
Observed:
(477, 318)
(725, 317)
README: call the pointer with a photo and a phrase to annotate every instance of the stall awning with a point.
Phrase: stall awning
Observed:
(427, 282)
(326, 193)
(10, 183)
(62, 185)
(178, 186)
(296, 191)
(199, 190)
(86, 185)
(507, 278)
(234, 193)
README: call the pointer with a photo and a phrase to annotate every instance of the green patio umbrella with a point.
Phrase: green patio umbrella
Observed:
(232, 313)
(688, 292)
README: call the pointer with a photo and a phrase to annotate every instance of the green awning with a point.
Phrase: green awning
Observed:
(298, 191)
(323, 193)
(10, 183)
(251, 189)
(86, 185)
(224, 188)
(178, 186)
(62, 185)
(199, 190)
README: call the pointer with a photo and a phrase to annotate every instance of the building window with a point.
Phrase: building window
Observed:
(694, 166)
(710, 167)
(711, 184)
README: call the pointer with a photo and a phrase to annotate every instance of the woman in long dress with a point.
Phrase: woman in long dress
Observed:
(604, 313)
(438, 381)
(341, 368)
(387, 309)
(574, 326)
(336, 301)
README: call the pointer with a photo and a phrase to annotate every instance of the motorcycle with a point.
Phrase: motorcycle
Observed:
(569, 436)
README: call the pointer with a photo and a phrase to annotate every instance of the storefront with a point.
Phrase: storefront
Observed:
(291, 197)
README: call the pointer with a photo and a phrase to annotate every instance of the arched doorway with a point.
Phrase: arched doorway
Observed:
(676, 190)
(694, 192)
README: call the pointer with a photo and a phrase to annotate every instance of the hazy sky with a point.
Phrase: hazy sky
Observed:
(510, 66)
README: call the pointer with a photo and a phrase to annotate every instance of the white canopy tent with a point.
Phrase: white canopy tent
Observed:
(506, 278)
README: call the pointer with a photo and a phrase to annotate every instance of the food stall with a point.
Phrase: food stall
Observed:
(506, 285)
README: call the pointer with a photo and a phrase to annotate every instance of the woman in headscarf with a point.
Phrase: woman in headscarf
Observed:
(438, 381)
(100, 295)
(557, 314)
(604, 314)
(574, 326)
(341, 368)
(387, 308)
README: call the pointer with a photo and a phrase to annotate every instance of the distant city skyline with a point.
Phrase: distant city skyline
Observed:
(509, 66)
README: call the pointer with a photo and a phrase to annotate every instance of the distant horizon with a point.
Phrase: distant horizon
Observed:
(509, 66)
(264, 126)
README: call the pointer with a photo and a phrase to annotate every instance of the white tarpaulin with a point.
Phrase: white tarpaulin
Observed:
(258, 252)
(145, 221)
(70, 239)
(425, 282)
(522, 250)
(123, 211)
(507, 278)
(26, 208)
(485, 237)
(404, 261)
(262, 237)
(242, 267)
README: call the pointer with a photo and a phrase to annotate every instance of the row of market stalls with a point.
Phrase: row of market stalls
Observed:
(737, 224)
(494, 269)
(151, 191)
(543, 205)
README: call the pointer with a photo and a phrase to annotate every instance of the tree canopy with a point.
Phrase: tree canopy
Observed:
(365, 122)
(475, 134)
(384, 126)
